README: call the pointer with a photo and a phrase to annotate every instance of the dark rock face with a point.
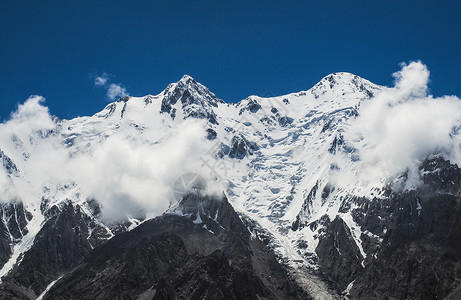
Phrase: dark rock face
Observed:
(8, 164)
(59, 246)
(413, 244)
(110, 110)
(213, 277)
(196, 100)
(211, 134)
(439, 175)
(251, 106)
(306, 209)
(5, 244)
(15, 219)
(339, 255)
(285, 121)
(337, 142)
(13, 222)
(201, 249)
(206, 252)
(420, 253)
(241, 147)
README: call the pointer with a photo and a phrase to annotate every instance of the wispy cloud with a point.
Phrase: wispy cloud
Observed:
(102, 79)
(114, 90)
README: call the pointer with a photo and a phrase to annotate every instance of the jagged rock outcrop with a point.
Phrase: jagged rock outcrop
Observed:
(8, 164)
(13, 222)
(205, 252)
(196, 100)
(413, 241)
(241, 147)
(339, 255)
(61, 244)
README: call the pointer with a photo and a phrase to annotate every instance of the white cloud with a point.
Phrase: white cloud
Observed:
(102, 79)
(411, 81)
(114, 90)
(30, 117)
(128, 176)
(403, 125)
(22, 139)
(125, 175)
(7, 190)
(26, 126)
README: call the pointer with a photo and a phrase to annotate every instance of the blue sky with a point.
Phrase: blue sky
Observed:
(235, 48)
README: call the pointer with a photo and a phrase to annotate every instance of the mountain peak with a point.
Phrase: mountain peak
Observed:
(344, 82)
(188, 85)
(186, 78)
(195, 99)
(341, 77)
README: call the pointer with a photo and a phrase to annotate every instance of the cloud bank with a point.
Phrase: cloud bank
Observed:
(127, 176)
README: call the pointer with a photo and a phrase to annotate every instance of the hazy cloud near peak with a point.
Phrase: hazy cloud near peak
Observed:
(128, 176)
(412, 80)
(403, 125)
(32, 115)
(125, 175)
(114, 90)
(21, 138)
(30, 118)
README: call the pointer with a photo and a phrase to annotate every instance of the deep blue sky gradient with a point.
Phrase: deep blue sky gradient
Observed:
(235, 48)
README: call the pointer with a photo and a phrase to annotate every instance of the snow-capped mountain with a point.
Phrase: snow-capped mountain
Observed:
(291, 166)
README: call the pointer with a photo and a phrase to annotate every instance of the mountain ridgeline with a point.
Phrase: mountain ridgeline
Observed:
(282, 226)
